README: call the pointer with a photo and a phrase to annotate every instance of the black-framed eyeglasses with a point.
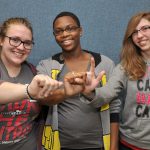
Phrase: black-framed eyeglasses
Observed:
(15, 41)
(68, 29)
(142, 30)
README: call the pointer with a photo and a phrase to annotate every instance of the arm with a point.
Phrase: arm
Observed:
(40, 87)
(114, 133)
(112, 89)
(73, 84)
(115, 106)
(10, 92)
(104, 94)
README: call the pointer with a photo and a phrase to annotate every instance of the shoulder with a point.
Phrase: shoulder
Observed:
(96, 56)
(55, 58)
(120, 70)
(105, 59)
(106, 63)
(52, 63)
(31, 66)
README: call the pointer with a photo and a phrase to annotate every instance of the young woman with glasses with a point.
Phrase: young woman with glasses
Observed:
(19, 88)
(132, 78)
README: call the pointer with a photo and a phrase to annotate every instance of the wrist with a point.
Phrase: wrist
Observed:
(27, 93)
(89, 96)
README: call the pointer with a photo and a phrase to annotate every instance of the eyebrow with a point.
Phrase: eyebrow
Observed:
(70, 25)
(142, 27)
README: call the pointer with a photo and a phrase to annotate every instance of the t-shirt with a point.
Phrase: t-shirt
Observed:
(18, 127)
(79, 124)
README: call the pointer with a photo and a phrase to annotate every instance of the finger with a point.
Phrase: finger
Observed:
(88, 79)
(52, 86)
(100, 75)
(92, 67)
(61, 84)
(79, 81)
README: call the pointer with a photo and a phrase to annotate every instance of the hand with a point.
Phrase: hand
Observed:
(92, 81)
(74, 83)
(42, 85)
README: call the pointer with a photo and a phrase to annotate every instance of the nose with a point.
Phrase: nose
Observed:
(65, 33)
(21, 46)
(139, 34)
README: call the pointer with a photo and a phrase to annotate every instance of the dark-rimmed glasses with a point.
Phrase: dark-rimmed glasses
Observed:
(68, 29)
(143, 30)
(15, 41)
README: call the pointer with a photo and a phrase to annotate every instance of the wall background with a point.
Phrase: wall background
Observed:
(104, 22)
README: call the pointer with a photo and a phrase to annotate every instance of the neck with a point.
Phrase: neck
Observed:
(146, 55)
(73, 55)
(78, 61)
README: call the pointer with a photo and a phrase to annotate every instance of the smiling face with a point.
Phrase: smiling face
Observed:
(141, 38)
(15, 55)
(69, 39)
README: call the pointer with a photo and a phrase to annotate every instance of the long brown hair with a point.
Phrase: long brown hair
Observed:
(131, 57)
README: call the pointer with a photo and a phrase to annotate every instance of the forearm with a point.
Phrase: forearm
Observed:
(114, 131)
(10, 92)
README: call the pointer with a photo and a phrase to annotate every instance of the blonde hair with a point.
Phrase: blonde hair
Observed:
(131, 57)
(7, 23)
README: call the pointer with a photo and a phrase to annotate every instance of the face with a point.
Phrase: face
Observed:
(141, 37)
(67, 33)
(11, 54)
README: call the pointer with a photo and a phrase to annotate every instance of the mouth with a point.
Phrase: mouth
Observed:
(142, 42)
(66, 42)
(18, 54)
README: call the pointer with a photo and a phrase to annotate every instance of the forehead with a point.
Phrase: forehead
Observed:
(64, 21)
(143, 22)
(19, 30)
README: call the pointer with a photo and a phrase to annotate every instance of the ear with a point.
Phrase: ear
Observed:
(53, 33)
(1, 41)
(81, 31)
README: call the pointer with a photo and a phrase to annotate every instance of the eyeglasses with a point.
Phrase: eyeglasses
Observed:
(15, 41)
(68, 29)
(143, 30)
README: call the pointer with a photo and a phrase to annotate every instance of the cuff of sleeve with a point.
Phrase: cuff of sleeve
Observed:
(86, 98)
(114, 117)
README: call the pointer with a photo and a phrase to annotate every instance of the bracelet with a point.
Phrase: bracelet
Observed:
(27, 92)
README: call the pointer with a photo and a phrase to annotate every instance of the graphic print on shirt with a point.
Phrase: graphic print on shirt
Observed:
(50, 138)
(143, 97)
(16, 120)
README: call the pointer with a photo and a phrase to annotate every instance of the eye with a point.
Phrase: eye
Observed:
(15, 40)
(135, 33)
(58, 31)
(28, 42)
(145, 28)
(69, 29)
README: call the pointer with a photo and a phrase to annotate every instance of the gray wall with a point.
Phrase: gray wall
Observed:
(104, 22)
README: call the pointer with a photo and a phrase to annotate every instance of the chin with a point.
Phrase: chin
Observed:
(67, 50)
(18, 62)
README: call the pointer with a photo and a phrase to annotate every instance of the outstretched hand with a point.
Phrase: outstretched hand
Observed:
(92, 81)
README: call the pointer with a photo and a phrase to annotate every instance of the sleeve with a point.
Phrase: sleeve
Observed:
(112, 89)
(110, 92)
(115, 106)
